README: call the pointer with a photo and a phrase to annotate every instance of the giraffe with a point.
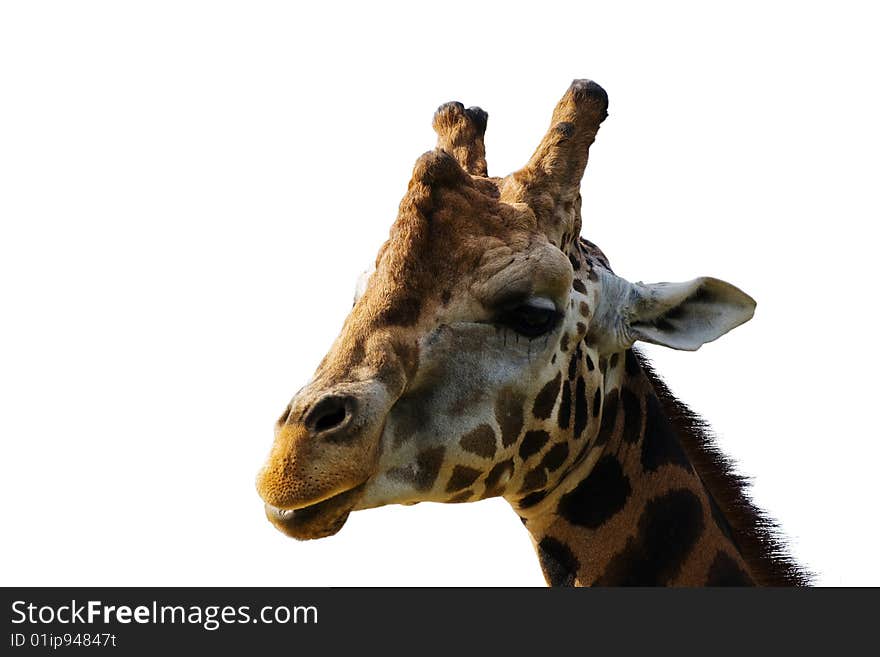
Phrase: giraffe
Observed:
(490, 352)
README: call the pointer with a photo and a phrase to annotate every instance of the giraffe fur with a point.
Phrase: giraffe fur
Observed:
(489, 352)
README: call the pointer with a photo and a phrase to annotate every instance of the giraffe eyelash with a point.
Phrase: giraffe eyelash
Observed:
(530, 320)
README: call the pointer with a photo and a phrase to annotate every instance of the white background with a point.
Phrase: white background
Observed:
(188, 192)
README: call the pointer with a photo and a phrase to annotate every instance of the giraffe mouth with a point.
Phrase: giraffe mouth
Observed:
(318, 520)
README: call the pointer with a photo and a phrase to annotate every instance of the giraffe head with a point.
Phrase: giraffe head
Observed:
(459, 372)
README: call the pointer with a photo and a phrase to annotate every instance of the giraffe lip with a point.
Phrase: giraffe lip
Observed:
(318, 520)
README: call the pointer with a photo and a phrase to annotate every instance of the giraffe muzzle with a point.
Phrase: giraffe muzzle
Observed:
(325, 450)
(316, 520)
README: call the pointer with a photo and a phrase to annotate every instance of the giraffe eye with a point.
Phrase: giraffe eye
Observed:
(532, 319)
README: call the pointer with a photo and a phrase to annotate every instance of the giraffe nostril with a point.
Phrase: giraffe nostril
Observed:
(330, 413)
(330, 420)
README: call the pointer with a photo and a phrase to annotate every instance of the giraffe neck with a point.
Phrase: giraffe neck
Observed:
(631, 507)
(634, 510)
(644, 497)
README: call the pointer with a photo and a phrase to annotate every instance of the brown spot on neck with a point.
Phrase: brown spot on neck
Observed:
(480, 441)
(509, 415)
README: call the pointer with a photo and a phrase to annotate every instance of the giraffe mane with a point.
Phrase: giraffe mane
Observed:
(756, 535)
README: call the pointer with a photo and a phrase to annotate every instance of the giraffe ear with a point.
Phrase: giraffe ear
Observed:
(684, 315)
(362, 282)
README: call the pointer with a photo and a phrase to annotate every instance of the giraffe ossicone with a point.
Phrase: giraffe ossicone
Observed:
(489, 353)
